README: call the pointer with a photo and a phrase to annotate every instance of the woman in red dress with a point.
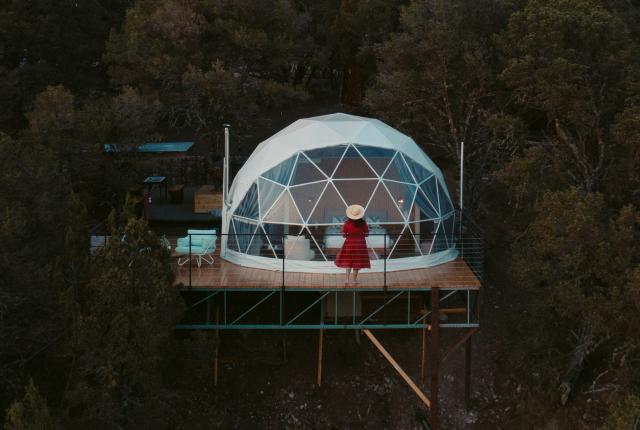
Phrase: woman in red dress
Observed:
(354, 254)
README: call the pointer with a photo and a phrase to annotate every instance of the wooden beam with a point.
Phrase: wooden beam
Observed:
(434, 363)
(423, 356)
(320, 342)
(453, 311)
(461, 342)
(396, 366)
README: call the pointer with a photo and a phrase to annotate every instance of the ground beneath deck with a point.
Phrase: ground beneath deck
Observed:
(360, 390)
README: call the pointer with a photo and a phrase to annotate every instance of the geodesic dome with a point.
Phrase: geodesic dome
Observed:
(289, 198)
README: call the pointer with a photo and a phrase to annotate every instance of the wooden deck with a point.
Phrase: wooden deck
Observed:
(223, 274)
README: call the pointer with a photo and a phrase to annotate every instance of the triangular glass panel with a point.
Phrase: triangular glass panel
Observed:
(405, 245)
(259, 244)
(398, 170)
(303, 247)
(326, 158)
(284, 211)
(430, 190)
(232, 240)
(445, 204)
(440, 242)
(378, 158)
(244, 233)
(403, 194)
(318, 238)
(422, 208)
(419, 173)
(381, 207)
(353, 166)
(424, 232)
(248, 207)
(275, 234)
(356, 191)
(282, 172)
(382, 238)
(449, 228)
(330, 209)
(269, 193)
(307, 196)
(305, 171)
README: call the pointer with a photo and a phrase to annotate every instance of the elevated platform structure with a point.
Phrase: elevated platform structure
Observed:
(248, 298)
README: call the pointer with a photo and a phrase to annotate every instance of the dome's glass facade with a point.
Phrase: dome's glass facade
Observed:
(407, 207)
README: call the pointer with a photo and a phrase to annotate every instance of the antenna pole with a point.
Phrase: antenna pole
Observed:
(225, 173)
(461, 182)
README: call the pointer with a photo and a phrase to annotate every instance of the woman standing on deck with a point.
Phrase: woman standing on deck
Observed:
(354, 254)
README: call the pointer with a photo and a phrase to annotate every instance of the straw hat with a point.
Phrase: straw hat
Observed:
(355, 212)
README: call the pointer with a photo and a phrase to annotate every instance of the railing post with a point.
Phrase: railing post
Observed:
(189, 261)
(282, 288)
(385, 263)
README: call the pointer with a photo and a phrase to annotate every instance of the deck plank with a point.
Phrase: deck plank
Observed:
(455, 274)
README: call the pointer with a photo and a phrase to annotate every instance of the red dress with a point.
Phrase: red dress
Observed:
(354, 253)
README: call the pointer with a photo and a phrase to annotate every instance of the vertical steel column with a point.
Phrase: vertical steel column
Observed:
(189, 261)
(467, 371)
(215, 357)
(435, 331)
(385, 262)
(282, 287)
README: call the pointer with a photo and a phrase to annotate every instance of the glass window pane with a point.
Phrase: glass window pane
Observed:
(405, 245)
(403, 195)
(420, 173)
(424, 232)
(353, 166)
(440, 242)
(244, 233)
(330, 209)
(284, 211)
(306, 197)
(260, 245)
(422, 208)
(232, 240)
(269, 193)
(282, 172)
(398, 170)
(248, 207)
(430, 190)
(305, 171)
(378, 158)
(326, 158)
(381, 207)
(356, 191)
(445, 204)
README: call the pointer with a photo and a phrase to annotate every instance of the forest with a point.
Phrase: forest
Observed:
(545, 95)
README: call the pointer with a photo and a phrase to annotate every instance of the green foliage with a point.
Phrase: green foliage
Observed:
(51, 42)
(571, 62)
(624, 415)
(30, 413)
(121, 332)
(571, 264)
(209, 61)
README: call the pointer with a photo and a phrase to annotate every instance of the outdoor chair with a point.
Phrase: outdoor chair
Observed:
(203, 245)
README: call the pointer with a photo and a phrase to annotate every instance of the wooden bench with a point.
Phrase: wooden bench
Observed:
(207, 199)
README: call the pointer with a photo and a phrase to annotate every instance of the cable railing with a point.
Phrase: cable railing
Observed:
(402, 258)
(306, 261)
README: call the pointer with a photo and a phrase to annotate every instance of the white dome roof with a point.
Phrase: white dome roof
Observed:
(319, 132)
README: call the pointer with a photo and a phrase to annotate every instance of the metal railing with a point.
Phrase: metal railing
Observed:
(307, 261)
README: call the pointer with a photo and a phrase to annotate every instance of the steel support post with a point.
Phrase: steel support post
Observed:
(434, 362)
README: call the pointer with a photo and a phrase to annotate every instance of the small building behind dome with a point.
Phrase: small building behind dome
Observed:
(289, 198)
